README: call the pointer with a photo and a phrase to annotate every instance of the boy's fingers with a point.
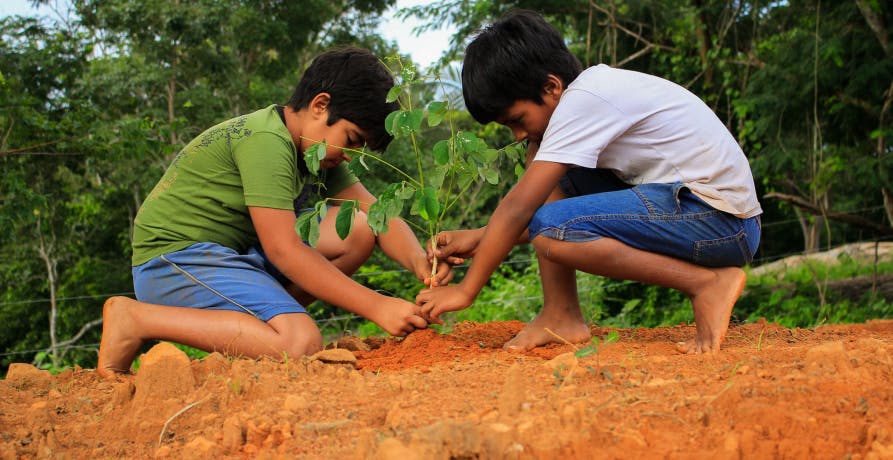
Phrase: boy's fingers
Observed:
(418, 322)
(424, 308)
(423, 297)
(434, 314)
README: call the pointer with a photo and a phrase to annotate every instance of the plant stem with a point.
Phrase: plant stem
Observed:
(386, 163)
(434, 261)
(374, 157)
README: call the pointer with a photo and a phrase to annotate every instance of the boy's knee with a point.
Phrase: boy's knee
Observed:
(362, 238)
(541, 244)
(542, 219)
(298, 334)
(358, 245)
(307, 344)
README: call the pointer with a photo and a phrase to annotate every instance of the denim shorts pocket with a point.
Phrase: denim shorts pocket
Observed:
(723, 252)
(660, 199)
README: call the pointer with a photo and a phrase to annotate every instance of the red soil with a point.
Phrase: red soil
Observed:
(771, 393)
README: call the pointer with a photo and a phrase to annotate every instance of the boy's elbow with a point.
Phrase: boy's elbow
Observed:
(515, 211)
(280, 250)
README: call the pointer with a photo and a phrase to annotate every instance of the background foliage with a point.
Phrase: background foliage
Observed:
(94, 104)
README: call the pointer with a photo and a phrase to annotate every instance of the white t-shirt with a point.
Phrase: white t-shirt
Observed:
(649, 130)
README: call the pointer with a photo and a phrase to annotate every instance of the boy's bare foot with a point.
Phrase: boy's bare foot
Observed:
(571, 328)
(713, 308)
(120, 342)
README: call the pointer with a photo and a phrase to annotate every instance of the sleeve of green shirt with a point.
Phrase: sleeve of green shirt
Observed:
(268, 168)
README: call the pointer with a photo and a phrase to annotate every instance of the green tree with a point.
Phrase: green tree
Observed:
(91, 111)
(816, 114)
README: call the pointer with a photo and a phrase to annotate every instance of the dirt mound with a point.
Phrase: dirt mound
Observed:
(773, 392)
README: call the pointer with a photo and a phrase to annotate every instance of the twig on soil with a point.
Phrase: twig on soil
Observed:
(661, 414)
(729, 384)
(324, 425)
(179, 412)
(561, 338)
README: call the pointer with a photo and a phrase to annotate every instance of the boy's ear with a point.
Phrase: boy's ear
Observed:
(553, 87)
(320, 103)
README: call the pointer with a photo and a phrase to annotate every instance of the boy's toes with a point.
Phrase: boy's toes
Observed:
(693, 347)
(686, 347)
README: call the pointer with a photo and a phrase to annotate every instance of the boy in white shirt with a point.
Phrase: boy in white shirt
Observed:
(629, 176)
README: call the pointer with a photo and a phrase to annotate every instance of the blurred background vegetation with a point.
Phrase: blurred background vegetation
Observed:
(95, 102)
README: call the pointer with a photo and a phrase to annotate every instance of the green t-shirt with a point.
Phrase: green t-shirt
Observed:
(204, 195)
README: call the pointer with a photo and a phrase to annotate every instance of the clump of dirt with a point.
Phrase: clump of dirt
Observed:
(772, 392)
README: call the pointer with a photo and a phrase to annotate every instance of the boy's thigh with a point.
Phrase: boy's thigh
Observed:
(662, 218)
(211, 276)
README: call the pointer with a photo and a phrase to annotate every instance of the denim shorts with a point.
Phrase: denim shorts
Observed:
(214, 277)
(660, 218)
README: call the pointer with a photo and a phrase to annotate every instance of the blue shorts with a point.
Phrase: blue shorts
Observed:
(660, 218)
(214, 277)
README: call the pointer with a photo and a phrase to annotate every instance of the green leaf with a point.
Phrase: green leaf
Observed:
(378, 217)
(390, 123)
(585, 351)
(469, 143)
(442, 152)
(357, 165)
(388, 206)
(313, 155)
(415, 119)
(436, 112)
(491, 175)
(404, 122)
(394, 93)
(408, 73)
(344, 220)
(406, 191)
(435, 176)
(307, 226)
(321, 208)
(427, 204)
(490, 155)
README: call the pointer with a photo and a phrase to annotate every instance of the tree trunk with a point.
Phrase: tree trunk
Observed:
(876, 23)
(703, 37)
(45, 250)
(171, 93)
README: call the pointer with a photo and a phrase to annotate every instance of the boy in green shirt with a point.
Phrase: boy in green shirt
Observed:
(217, 264)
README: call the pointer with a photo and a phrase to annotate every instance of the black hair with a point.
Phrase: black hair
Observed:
(358, 84)
(510, 60)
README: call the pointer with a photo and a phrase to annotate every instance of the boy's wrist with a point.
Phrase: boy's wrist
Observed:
(469, 289)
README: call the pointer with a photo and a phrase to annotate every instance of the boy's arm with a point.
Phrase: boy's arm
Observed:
(506, 225)
(399, 243)
(316, 275)
(457, 245)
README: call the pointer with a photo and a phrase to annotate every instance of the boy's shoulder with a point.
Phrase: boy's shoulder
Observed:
(265, 120)
(625, 87)
(603, 74)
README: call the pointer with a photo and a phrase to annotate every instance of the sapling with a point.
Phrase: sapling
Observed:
(439, 177)
(596, 345)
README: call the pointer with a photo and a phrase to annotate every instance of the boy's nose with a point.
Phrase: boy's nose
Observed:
(345, 156)
(519, 133)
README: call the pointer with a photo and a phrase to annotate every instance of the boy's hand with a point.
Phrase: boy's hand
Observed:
(435, 301)
(399, 317)
(442, 276)
(455, 246)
